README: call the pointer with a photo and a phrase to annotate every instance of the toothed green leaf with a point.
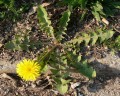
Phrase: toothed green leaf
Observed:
(45, 23)
(63, 23)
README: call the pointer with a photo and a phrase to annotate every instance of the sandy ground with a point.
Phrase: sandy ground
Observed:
(107, 82)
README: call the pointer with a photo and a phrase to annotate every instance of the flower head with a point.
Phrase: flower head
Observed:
(28, 70)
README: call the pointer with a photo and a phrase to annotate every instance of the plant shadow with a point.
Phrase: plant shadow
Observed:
(104, 74)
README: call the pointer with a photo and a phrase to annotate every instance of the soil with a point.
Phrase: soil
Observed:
(107, 82)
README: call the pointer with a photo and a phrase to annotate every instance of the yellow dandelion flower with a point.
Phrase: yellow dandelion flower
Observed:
(28, 70)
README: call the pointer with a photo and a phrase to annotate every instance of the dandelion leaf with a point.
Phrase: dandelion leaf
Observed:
(63, 23)
(45, 23)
